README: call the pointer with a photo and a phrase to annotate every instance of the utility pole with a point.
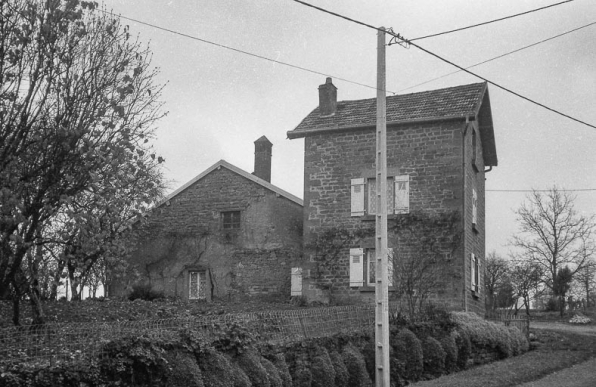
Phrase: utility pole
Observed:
(381, 284)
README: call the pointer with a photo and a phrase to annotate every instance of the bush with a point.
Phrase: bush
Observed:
(250, 362)
(354, 361)
(484, 333)
(216, 369)
(341, 372)
(552, 305)
(414, 361)
(239, 378)
(144, 291)
(300, 370)
(450, 348)
(184, 370)
(279, 361)
(272, 373)
(323, 373)
(434, 356)
(464, 348)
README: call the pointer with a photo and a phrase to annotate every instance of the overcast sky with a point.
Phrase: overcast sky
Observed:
(220, 101)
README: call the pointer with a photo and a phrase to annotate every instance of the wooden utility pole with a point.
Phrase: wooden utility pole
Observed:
(381, 283)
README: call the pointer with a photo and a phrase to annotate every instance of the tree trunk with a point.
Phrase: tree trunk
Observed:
(56, 280)
(74, 283)
(39, 317)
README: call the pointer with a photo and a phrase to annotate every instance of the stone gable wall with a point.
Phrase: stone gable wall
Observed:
(185, 234)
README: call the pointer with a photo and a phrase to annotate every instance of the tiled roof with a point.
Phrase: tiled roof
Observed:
(452, 102)
(241, 172)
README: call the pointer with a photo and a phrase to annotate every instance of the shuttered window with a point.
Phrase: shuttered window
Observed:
(474, 273)
(364, 200)
(356, 267)
(474, 207)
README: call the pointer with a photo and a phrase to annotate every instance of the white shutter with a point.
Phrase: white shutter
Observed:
(474, 207)
(296, 282)
(390, 266)
(356, 267)
(357, 196)
(402, 194)
(473, 271)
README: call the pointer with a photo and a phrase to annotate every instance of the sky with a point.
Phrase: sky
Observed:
(219, 101)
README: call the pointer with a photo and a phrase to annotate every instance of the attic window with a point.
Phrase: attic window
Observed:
(230, 220)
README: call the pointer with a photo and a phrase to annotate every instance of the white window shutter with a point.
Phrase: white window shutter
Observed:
(356, 267)
(473, 271)
(296, 282)
(357, 196)
(390, 266)
(474, 207)
(402, 194)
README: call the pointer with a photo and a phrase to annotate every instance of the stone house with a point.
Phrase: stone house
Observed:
(440, 145)
(220, 236)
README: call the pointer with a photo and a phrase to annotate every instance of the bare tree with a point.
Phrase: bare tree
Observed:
(526, 278)
(552, 234)
(78, 103)
(585, 280)
(495, 277)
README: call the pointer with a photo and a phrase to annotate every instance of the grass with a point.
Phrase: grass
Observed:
(555, 351)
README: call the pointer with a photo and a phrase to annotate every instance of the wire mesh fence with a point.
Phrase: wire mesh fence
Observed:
(509, 319)
(52, 344)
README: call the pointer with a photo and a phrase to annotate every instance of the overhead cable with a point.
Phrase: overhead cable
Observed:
(541, 190)
(498, 57)
(489, 22)
(409, 42)
(245, 52)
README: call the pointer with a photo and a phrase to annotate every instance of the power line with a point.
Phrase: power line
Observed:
(245, 52)
(489, 22)
(402, 39)
(498, 57)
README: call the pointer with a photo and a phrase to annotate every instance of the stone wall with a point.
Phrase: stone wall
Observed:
(430, 153)
(185, 233)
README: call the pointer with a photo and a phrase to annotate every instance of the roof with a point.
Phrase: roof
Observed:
(457, 102)
(249, 176)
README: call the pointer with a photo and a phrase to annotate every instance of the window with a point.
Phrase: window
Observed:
(363, 267)
(474, 207)
(363, 196)
(474, 273)
(196, 285)
(230, 220)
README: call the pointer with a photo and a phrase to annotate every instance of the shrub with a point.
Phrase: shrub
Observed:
(239, 378)
(434, 356)
(484, 333)
(464, 348)
(234, 337)
(279, 361)
(552, 305)
(250, 362)
(184, 370)
(450, 348)
(354, 361)
(323, 373)
(414, 363)
(272, 373)
(144, 291)
(300, 371)
(341, 372)
(216, 369)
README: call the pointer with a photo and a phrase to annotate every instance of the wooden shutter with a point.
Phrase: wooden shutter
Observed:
(402, 194)
(474, 207)
(356, 267)
(296, 282)
(473, 272)
(357, 196)
(390, 266)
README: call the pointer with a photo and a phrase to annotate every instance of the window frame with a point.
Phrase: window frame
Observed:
(201, 278)
(363, 200)
(235, 224)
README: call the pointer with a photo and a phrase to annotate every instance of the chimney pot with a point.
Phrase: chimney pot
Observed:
(263, 151)
(327, 98)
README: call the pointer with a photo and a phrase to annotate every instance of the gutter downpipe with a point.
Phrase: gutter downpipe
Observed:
(463, 141)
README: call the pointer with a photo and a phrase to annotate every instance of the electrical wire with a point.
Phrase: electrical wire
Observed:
(489, 22)
(245, 52)
(498, 57)
(409, 42)
(541, 190)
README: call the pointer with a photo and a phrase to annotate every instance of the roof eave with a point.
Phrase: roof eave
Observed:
(293, 134)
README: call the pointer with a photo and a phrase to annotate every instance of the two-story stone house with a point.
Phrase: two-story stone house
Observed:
(220, 236)
(440, 145)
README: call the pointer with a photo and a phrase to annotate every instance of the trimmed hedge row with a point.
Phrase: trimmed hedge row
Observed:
(417, 352)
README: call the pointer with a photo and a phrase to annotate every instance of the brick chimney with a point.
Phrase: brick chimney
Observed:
(263, 159)
(327, 98)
